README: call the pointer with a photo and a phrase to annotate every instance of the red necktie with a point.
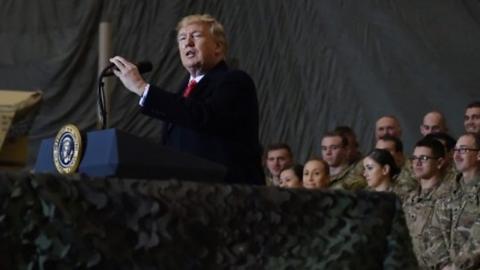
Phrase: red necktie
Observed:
(191, 85)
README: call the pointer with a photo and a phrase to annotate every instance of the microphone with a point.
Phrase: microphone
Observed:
(143, 67)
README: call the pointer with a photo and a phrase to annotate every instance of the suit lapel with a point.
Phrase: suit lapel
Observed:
(199, 89)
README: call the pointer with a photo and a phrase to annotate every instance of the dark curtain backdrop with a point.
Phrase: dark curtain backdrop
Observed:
(316, 63)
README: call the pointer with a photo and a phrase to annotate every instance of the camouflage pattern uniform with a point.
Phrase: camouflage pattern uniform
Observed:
(358, 167)
(451, 173)
(455, 232)
(405, 182)
(349, 178)
(418, 207)
(270, 182)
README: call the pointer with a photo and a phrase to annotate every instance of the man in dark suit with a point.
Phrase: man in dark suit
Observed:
(216, 116)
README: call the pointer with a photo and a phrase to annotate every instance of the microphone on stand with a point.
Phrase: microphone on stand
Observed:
(143, 67)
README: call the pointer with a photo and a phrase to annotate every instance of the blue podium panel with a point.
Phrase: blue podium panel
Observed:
(101, 154)
(115, 153)
(44, 162)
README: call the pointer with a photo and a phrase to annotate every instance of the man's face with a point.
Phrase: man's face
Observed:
(390, 147)
(466, 156)
(333, 152)
(352, 148)
(199, 50)
(472, 120)
(387, 125)
(277, 160)
(432, 123)
(424, 164)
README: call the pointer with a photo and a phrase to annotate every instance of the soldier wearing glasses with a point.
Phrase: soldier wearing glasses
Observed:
(456, 223)
(427, 162)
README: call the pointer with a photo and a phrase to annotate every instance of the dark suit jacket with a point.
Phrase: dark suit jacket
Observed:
(218, 121)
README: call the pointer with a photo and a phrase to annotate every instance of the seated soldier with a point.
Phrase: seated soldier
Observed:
(455, 230)
(427, 161)
(379, 170)
(404, 181)
(342, 174)
(387, 125)
(433, 122)
(276, 157)
(316, 174)
(354, 155)
(449, 172)
(291, 177)
(472, 118)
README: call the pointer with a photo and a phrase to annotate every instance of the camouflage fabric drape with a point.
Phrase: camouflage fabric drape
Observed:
(54, 222)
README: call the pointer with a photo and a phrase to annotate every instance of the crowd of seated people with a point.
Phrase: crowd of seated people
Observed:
(438, 182)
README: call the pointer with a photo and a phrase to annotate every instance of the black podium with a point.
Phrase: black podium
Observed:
(114, 153)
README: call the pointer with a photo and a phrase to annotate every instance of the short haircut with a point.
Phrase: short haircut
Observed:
(476, 138)
(383, 157)
(396, 141)
(475, 104)
(449, 140)
(337, 134)
(443, 120)
(391, 116)
(277, 146)
(215, 27)
(436, 146)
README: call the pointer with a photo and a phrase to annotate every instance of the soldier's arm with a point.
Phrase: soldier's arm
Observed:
(354, 179)
(355, 183)
(437, 253)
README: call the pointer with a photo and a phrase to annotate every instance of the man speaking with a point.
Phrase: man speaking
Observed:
(215, 114)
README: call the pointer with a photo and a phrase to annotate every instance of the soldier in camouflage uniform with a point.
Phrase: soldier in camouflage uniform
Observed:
(433, 122)
(405, 182)
(389, 131)
(455, 230)
(276, 157)
(427, 162)
(449, 171)
(472, 118)
(387, 125)
(379, 170)
(354, 155)
(342, 174)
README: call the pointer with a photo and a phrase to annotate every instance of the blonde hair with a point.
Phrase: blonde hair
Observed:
(215, 27)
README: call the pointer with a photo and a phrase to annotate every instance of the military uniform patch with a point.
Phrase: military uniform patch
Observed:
(67, 149)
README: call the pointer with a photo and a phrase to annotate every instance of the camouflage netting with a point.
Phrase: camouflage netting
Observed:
(54, 222)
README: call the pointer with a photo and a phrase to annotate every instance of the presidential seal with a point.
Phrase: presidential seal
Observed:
(67, 149)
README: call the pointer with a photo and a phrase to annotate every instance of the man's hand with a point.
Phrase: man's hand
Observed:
(128, 73)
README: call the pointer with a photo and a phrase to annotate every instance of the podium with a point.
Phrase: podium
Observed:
(114, 153)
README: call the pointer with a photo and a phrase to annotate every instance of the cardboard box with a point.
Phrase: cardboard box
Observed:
(17, 112)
